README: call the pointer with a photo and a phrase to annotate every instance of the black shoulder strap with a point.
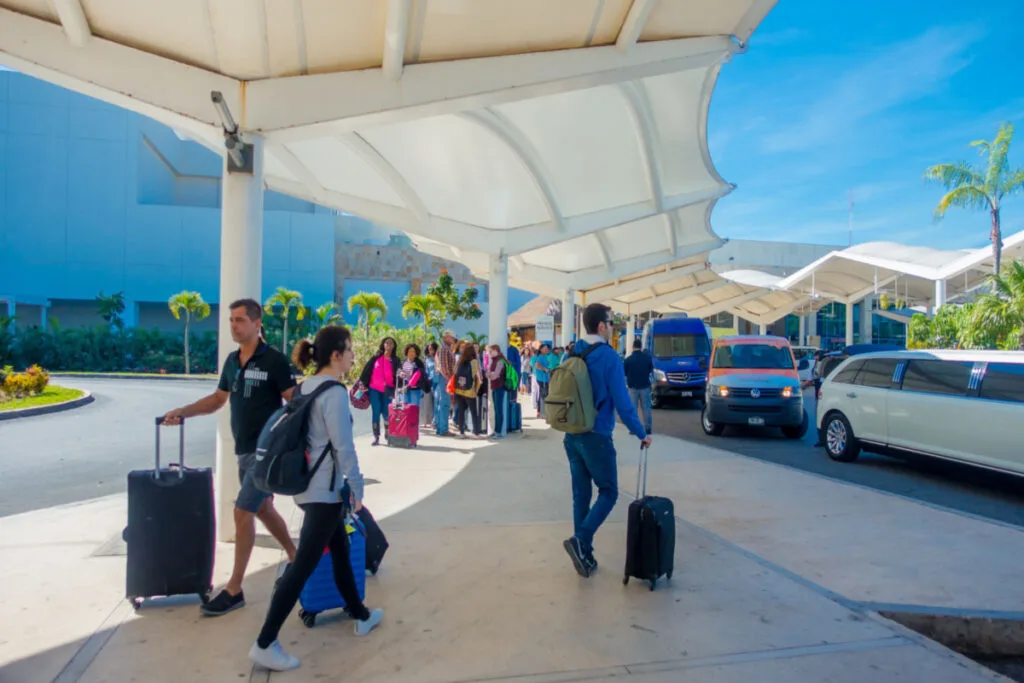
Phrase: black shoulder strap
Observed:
(586, 353)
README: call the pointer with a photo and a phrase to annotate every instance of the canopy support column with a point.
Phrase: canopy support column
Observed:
(849, 323)
(498, 292)
(568, 317)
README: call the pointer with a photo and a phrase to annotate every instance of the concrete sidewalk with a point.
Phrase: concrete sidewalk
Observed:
(777, 576)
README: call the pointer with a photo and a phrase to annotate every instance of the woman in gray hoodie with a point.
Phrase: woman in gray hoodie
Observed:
(330, 423)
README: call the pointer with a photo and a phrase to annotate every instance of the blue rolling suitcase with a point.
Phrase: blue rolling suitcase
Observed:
(515, 416)
(320, 592)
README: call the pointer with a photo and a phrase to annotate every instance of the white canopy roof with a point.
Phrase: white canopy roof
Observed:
(909, 272)
(491, 125)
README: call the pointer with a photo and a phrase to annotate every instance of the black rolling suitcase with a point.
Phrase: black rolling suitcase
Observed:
(171, 527)
(376, 543)
(650, 533)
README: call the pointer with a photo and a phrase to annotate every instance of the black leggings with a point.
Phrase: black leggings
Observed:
(321, 527)
(463, 404)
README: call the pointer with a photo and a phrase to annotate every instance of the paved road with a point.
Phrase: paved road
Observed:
(87, 452)
(976, 492)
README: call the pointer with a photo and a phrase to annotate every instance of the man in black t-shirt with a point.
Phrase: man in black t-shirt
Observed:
(255, 379)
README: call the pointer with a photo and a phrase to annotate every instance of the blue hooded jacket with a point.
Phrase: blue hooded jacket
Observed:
(608, 380)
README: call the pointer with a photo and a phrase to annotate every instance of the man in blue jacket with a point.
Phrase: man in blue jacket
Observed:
(592, 454)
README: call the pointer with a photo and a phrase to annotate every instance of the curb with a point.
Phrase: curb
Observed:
(162, 378)
(46, 410)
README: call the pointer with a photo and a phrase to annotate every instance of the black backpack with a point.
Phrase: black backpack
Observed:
(282, 461)
(464, 377)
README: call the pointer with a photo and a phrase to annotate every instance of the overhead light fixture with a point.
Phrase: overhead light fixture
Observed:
(239, 152)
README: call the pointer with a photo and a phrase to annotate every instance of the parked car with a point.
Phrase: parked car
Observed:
(832, 360)
(753, 381)
(680, 347)
(965, 406)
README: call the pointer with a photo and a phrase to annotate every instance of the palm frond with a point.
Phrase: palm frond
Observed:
(967, 197)
(956, 175)
(1013, 183)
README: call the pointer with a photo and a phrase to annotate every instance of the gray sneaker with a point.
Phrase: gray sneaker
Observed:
(575, 550)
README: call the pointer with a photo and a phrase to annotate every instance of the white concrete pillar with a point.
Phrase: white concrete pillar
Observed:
(812, 324)
(568, 317)
(498, 290)
(849, 324)
(762, 329)
(241, 276)
(866, 319)
(633, 334)
(940, 293)
(802, 333)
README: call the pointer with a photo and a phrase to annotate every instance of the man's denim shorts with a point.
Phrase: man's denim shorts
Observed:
(249, 498)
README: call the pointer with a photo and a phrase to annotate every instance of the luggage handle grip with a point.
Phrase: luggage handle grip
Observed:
(641, 467)
(181, 447)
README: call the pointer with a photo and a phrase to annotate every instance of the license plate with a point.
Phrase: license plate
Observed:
(755, 421)
(686, 393)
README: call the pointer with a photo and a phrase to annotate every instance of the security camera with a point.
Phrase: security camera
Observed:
(239, 152)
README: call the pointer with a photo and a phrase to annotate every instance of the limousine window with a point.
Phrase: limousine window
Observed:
(1004, 382)
(949, 378)
(849, 374)
(877, 372)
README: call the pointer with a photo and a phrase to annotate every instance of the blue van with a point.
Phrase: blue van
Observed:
(681, 349)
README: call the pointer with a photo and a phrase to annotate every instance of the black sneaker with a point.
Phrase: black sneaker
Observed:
(575, 550)
(222, 604)
(591, 562)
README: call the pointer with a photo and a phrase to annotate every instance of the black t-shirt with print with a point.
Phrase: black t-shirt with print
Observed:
(255, 392)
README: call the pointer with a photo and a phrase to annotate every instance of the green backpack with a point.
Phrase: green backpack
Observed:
(569, 405)
(511, 378)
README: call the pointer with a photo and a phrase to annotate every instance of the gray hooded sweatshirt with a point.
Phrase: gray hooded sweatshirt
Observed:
(330, 421)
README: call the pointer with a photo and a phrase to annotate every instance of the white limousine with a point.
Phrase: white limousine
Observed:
(966, 406)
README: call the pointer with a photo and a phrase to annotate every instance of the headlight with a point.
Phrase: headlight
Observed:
(720, 391)
(789, 392)
(659, 376)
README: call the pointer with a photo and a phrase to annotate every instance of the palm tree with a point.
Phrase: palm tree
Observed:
(1003, 310)
(193, 306)
(972, 187)
(426, 306)
(285, 299)
(371, 304)
(111, 307)
(477, 338)
(326, 314)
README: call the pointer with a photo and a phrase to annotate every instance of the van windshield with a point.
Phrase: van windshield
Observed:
(754, 357)
(675, 345)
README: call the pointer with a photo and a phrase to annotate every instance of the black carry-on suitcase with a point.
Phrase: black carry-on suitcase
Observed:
(376, 543)
(650, 533)
(171, 529)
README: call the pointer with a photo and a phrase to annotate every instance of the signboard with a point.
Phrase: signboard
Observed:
(546, 329)
(814, 340)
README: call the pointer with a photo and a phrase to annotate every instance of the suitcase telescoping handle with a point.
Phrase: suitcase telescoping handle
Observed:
(181, 447)
(641, 468)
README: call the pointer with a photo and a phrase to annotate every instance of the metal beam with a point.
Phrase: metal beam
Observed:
(396, 28)
(633, 26)
(674, 297)
(607, 292)
(363, 98)
(73, 19)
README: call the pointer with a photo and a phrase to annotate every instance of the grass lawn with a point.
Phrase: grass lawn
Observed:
(52, 394)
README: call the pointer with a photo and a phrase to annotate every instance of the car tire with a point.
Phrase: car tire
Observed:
(838, 439)
(797, 431)
(656, 401)
(710, 428)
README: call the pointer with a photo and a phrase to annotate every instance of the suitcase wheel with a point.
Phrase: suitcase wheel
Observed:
(653, 581)
(669, 576)
(136, 603)
(204, 597)
(308, 618)
(625, 580)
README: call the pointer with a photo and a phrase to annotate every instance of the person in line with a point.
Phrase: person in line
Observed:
(467, 386)
(255, 379)
(483, 360)
(639, 367)
(378, 376)
(427, 406)
(542, 365)
(496, 379)
(411, 373)
(592, 459)
(445, 371)
(337, 484)
(526, 370)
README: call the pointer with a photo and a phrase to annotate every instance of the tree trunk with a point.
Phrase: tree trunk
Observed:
(997, 240)
(284, 339)
(188, 320)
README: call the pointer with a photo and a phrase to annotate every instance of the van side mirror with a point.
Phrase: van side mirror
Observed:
(804, 364)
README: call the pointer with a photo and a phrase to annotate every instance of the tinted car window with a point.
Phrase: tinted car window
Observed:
(1003, 382)
(827, 365)
(938, 377)
(754, 357)
(849, 373)
(877, 372)
(674, 345)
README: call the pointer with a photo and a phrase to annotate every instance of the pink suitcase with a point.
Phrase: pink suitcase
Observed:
(403, 425)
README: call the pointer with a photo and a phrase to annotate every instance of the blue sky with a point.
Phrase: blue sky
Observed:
(865, 95)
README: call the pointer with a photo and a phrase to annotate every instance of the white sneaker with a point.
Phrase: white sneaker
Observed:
(273, 657)
(364, 627)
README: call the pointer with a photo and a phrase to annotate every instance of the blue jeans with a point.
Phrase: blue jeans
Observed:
(412, 397)
(379, 402)
(591, 463)
(442, 406)
(500, 405)
(641, 398)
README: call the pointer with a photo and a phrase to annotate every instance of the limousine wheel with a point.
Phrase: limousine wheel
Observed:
(798, 431)
(710, 428)
(840, 443)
